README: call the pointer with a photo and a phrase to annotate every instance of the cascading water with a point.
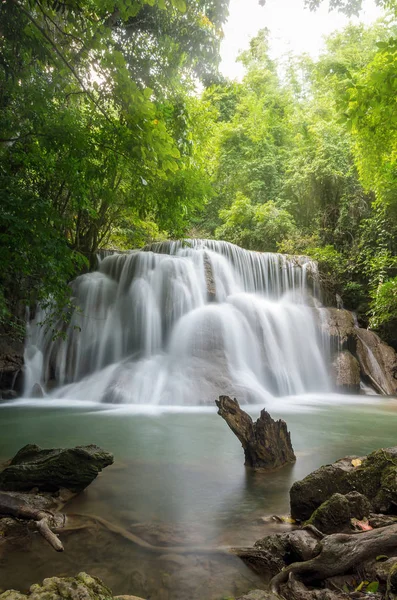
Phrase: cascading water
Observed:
(179, 324)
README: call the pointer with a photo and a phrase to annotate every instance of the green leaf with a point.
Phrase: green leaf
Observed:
(180, 5)
(372, 588)
(382, 557)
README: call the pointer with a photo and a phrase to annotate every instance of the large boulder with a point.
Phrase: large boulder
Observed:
(52, 469)
(346, 372)
(374, 476)
(378, 361)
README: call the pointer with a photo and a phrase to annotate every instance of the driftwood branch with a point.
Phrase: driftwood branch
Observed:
(266, 443)
(338, 554)
(15, 507)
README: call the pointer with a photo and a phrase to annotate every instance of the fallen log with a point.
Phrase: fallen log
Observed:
(338, 553)
(15, 507)
(266, 443)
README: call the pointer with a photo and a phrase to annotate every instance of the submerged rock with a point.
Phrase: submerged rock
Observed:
(52, 469)
(378, 361)
(375, 476)
(266, 443)
(346, 372)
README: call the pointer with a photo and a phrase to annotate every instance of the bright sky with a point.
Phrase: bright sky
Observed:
(292, 27)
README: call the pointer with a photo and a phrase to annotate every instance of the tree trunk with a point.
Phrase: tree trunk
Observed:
(266, 443)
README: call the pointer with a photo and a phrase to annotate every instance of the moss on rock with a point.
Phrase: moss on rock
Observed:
(334, 514)
(82, 587)
(375, 478)
(52, 469)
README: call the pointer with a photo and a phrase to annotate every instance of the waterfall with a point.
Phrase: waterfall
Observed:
(181, 323)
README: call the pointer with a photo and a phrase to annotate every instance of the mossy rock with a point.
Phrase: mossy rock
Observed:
(48, 470)
(391, 593)
(375, 478)
(334, 514)
(82, 587)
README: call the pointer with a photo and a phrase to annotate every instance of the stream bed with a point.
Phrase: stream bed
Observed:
(178, 480)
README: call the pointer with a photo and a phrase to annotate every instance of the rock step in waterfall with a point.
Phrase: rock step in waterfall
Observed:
(180, 323)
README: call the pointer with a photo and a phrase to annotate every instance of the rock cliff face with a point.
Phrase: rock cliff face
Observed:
(338, 325)
(357, 353)
(378, 361)
(346, 372)
(11, 364)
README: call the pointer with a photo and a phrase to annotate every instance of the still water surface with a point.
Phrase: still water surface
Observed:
(178, 479)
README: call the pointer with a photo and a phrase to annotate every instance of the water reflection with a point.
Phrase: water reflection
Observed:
(178, 479)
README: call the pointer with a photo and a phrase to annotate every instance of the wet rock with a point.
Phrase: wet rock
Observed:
(346, 371)
(37, 391)
(378, 361)
(339, 326)
(8, 395)
(375, 477)
(377, 521)
(266, 443)
(82, 587)
(209, 278)
(52, 469)
(334, 514)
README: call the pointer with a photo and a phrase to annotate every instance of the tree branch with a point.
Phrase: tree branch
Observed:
(63, 59)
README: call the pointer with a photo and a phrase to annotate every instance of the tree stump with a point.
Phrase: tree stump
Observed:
(266, 443)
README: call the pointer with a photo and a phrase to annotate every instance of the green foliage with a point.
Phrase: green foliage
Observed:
(384, 304)
(306, 164)
(258, 227)
(97, 144)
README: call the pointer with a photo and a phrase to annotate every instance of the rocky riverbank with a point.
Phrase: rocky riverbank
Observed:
(346, 543)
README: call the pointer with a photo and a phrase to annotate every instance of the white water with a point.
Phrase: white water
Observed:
(180, 324)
